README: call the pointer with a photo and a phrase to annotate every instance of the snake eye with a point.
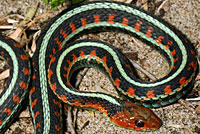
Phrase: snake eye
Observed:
(139, 123)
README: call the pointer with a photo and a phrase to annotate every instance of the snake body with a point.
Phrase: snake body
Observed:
(57, 58)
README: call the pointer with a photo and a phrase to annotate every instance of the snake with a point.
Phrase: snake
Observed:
(59, 56)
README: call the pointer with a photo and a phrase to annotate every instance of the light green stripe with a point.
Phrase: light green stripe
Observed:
(13, 80)
(15, 71)
(60, 60)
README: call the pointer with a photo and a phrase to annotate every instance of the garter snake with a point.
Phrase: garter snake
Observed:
(57, 57)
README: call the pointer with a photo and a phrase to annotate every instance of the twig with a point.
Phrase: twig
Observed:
(80, 77)
(193, 99)
(38, 18)
(148, 74)
(33, 46)
(161, 6)
(7, 27)
(69, 112)
(5, 74)
(69, 120)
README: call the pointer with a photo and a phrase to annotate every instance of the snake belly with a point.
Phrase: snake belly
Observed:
(57, 57)
(15, 90)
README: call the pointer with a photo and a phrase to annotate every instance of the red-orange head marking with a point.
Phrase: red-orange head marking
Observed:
(137, 118)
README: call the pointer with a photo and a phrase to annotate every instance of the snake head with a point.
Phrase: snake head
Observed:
(136, 117)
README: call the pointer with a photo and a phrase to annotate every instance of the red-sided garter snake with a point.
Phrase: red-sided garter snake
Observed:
(96, 16)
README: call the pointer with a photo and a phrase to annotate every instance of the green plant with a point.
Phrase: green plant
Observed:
(55, 3)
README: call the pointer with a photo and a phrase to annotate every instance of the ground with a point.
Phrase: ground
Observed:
(177, 119)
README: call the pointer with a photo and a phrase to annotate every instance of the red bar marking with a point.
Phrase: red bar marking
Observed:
(125, 22)
(65, 68)
(175, 60)
(159, 39)
(84, 22)
(23, 57)
(23, 85)
(93, 53)
(117, 82)
(38, 126)
(150, 94)
(110, 70)
(74, 56)
(7, 110)
(167, 89)
(131, 91)
(173, 52)
(128, 66)
(50, 73)
(69, 62)
(131, 73)
(104, 59)
(182, 81)
(72, 26)
(138, 25)
(167, 46)
(173, 67)
(58, 42)
(64, 34)
(96, 18)
(149, 32)
(57, 128)
(170, 42)
(53, 87)
(17, 45)
(56, 103)
(63, 98)
(33, 103)
(33, 77)
(36, 114)
(57, 114)
(194, 66)
(82, 54)
(32, 90)
(16, 99)
(26, 71)
(111, 18)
